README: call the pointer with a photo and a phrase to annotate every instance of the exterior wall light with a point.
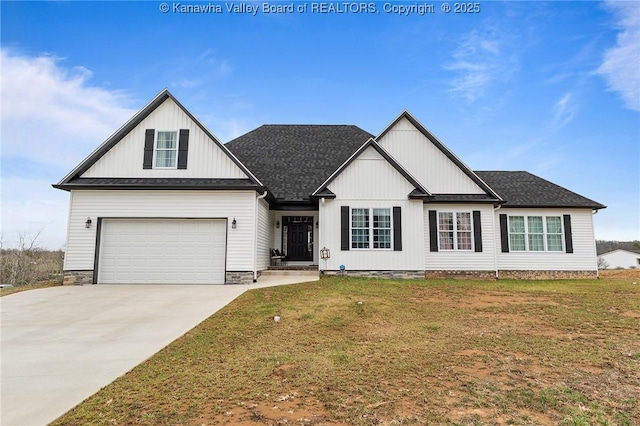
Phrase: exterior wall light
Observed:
(317, 224)
(87, 224)
(234, 223)
(278, 224)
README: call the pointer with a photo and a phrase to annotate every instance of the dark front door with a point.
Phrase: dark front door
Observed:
(298, 237)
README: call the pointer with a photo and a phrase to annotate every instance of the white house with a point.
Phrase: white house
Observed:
(621, 259)
(163, 201)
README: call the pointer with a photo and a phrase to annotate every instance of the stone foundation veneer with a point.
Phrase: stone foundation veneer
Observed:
(77, 278)
(547, 275)
(239, 277)
(461, 275)
(409, 275)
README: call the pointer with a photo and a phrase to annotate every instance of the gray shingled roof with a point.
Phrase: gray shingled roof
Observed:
(293, 160)
(523, 189)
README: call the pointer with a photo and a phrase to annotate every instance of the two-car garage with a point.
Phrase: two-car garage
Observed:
(161, 251)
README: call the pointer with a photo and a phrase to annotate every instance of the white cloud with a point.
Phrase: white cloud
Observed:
(478, 61)
(51, 118)
(621, 64)
(51, 114)
(565, 109)
(32, 205)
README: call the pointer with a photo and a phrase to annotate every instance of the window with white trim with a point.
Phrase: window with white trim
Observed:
(535, 233)
(166, 150)
(371, 228)
(454, 231)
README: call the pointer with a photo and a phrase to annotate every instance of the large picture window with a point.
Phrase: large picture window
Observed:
(535, 233)
(371, 228)
(166, 150)
(454, 231)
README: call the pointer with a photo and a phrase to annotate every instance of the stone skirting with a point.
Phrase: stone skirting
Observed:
(461, 275)
(409, 275)
(547, 275)
(77, 277)
(238, 277)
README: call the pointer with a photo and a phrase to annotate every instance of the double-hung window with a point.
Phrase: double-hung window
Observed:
(454, 230)
(371, 228)
(166, 150)
(535, 233)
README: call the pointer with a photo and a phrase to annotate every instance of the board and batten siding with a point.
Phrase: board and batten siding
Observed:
(371, 182)
(205, 158)
(583, 257)
(264, 236)
(425, 162)
(228, 205)
(462, 260)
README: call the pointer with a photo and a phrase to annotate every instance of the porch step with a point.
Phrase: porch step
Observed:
(294, 268)
(287, 272)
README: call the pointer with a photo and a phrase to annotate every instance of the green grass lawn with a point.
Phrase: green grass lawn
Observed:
(364, 352)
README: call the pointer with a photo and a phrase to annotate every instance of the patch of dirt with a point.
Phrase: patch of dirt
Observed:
(287, 409)
(621, 274)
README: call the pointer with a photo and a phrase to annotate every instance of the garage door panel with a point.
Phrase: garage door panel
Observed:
(171, 251)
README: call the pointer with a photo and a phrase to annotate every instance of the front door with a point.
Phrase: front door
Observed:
(297, 237)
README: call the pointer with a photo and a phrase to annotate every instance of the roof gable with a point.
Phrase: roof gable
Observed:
(429, 160)
(117, 157)
(370, 149)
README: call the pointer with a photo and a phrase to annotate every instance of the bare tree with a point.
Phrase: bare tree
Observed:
(602, 263)
(27, 262)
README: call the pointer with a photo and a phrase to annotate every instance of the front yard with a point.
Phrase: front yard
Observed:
(364, 352)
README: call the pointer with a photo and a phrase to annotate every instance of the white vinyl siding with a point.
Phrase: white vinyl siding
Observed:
(462, 260)
(425, 162)
(162, 251)
(206, 158)
(161, 204)
(264, 235)
(583, 257)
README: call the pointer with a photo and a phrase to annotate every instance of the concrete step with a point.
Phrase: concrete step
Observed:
(289, 272)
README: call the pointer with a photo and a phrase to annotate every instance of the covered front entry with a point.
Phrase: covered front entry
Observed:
(297, 238)
(162, 251)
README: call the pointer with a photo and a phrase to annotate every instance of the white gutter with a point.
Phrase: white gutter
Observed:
(255, 236)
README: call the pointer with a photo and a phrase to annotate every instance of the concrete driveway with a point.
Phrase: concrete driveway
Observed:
(60, 345)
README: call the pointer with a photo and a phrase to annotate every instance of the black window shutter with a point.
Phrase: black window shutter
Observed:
(504, 233)
(344, 228)
(183, 148)
(568, 237)
(477, 231)
(149, 136)
(433, 230)
(397, 229)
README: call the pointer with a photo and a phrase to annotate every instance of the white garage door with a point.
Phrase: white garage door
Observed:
(162, 251)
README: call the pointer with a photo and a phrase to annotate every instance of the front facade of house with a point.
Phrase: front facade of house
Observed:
(163, 201)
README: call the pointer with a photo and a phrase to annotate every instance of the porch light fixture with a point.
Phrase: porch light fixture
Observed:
(317, 223)
(278, 224)
(87, 224)
(234, 223)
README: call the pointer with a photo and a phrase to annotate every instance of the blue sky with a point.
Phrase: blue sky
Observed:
(548, 87)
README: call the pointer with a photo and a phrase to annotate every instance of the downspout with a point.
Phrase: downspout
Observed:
(495, 246)
(255, 237)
